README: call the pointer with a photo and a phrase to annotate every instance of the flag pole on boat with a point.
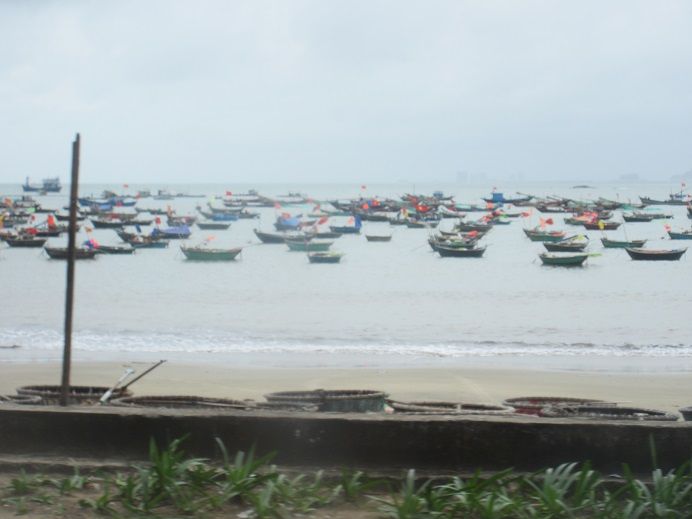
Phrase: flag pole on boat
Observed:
(69, 293)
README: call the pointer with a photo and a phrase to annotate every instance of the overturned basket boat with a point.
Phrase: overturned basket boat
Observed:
(50, 395)
(535, 404)
(334, 400)
(448, 408)
(182, 402)
(601, 412)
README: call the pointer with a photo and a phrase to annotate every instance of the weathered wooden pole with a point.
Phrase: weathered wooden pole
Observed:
(69, 293)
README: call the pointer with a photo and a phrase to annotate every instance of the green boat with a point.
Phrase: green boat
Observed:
(308, 246)
(619, 244)
(541, 235)
(563, 260)
(325, 257)
(209, 254)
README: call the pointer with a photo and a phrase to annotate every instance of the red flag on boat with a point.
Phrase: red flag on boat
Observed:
(375, 202)
(422, 208)
(667, 227)
(365, 206)
(549, 221)
(32, 230)
(473, 234)
(489, 206)
(228, 193)
(277, 205)
(322, 220)
(157, 220)
(363, 187)
(51, 220)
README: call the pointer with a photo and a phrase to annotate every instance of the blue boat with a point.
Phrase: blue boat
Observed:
(172, 233)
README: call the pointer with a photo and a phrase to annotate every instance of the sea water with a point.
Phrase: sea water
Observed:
(396, 300)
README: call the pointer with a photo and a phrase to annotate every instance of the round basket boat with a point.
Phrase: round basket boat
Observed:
(287, 406)
(534, 404)
(87, 395)
(334, 400)
(182, 402)
(20, 399)
(686, 413)
(448, 408)
(599, 412)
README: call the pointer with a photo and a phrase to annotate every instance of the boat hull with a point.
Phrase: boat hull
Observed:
(203, 254)
(572, 260)
(655, 255)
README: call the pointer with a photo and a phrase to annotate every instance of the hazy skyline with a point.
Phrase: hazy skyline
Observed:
(372, 91)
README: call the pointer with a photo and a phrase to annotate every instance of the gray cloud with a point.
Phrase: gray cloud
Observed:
(314, 90)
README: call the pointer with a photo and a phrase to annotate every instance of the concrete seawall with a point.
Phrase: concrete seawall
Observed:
(356, 440)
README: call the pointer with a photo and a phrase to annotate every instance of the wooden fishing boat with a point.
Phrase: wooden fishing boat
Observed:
(100, 223)
(378, 237)
(541, 235)
(601, 226)
(655, 254)
(454, 252)
(566, 245)
(345, 229)
(563, 260)
(452, 242)
(325, 257)
(24, 240)
(172, 233)
(61, 253)
(622, 244)
(308, 246)
(213, 226)
(203, 253)
(115, 249)
(270, 237)
(326, 235)
(633, 217)
(473, 226)
(421, 224)
(147, 242)
(682, 235)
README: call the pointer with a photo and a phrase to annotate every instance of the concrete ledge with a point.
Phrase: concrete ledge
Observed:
(348, 440)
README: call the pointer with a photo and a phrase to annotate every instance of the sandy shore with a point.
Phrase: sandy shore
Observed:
(481, 384)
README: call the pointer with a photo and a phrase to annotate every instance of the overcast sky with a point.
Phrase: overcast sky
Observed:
(289, 90)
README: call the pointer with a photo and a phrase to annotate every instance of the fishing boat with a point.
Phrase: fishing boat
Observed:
(181, 232)
(572, 244)
(326, 235)
(61, 252)
(452, 242)
(273, 237)
(459, 252)
(25, 240)
(537, 234)
(563, 260)
(601, 225)
(622, 244)
(308, 246)
(655, 254)
(378, 237)
(348, 229)
(101, 223)
(147, 242)
(213, 226)
(115, 249)
(203, 253)
(634, 217)
(48, 185)
(682, 235)
(325, 257)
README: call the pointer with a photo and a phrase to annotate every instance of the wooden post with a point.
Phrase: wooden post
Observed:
(69, 293)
